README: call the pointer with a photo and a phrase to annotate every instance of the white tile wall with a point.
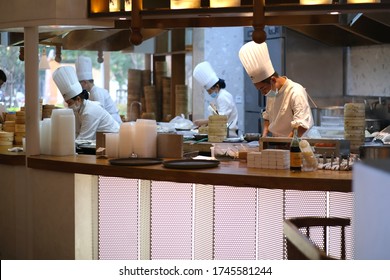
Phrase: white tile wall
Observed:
(368, 71)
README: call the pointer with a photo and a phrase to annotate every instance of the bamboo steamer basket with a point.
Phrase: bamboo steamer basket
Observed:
(354, 125)
(217, 128)
(10, 117)
(161, 71)
(9, 126)
(146, 77)
(166, 97)
(181, 100)
(47, 110)
(134, 93)
(161, 67)
(150, 99)
(6, 138)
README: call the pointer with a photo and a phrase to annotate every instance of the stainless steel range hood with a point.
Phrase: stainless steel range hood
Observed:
(88, 39)
(353, 30)
(354, 26)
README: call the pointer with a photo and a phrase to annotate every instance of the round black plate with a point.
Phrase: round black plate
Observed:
(190, 163)
(135, 161)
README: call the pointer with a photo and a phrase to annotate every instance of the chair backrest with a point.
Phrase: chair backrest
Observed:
(301, 247)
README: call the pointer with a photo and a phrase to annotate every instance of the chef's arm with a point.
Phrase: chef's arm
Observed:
(301, 131)
(201, 122)
(265, 128)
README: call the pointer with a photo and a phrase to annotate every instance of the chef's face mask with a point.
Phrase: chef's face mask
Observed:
(214, 94)
(272, 93)
(75, 106)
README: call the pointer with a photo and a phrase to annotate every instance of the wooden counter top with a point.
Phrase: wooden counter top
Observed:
(11, 158)
(229, 173)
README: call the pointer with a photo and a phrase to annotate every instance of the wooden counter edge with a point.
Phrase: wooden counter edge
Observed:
(17, 159)
(226, 174)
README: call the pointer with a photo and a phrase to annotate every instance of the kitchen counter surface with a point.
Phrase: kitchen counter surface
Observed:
(229, 173)
(11, 158)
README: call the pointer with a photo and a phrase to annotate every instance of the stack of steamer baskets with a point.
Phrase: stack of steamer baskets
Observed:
(20, 127)
(181, 100)
(134, 93)
(166, 96)
(354, 125)
(217, 128)
(150, 102)
(6, 138)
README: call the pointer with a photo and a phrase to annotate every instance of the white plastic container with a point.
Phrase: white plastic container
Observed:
(145, 138)
(126, 131)
(63, 133)
(45, 136)
(112, 140)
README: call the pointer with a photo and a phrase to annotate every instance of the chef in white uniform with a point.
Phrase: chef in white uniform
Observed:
(90, 117)
(287, 104)
(222, 101)
(84, 74)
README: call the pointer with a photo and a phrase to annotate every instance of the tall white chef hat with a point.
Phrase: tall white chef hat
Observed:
(84, 68)
(205, 75)
(256, 61)
(66, 80)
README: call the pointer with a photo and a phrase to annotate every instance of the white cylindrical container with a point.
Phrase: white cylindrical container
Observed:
(68, 135)
(145, 143)
(63, 132)
(45, 136)
(112, 145)
(125, 140)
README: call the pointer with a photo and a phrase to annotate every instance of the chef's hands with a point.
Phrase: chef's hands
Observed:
(201, 122)
(265, 129)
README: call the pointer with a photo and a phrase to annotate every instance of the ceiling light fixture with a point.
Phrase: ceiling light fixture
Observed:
(185, 4)
(315, 2)
(224, 3)
(127, 5)
(362, 1)
(114, 6)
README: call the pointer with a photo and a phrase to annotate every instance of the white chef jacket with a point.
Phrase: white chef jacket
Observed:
(92, 118)
(227, 107)
(288, 108)
(105, 100)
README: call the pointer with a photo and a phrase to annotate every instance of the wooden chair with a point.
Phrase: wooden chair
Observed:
(301, 247)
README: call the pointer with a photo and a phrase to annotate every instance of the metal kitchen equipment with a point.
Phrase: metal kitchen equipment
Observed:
(383, 136)
(374, 151)
(320, 114)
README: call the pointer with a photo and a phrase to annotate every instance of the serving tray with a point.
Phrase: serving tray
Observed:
(190, 163)
(135, 161)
